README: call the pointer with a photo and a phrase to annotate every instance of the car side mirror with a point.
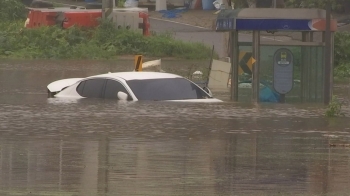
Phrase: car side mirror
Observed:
(122, 96)
(206, 89)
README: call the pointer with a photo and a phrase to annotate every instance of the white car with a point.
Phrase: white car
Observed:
(132, 86)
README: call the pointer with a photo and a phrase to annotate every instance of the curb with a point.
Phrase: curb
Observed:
(180, 23)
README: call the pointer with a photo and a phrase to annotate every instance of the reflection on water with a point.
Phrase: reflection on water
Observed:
(103, 147)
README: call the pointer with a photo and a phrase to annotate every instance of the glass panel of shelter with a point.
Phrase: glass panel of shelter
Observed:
(308, 68)
(244, 76)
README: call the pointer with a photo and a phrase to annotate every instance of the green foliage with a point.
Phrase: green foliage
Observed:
(312, 3)
(103, 42)
(120, 3)
(341, 48)
(337, 5)
(240, 3)
(342, 71)
(334, 108)
(12, 10)
(342, 54)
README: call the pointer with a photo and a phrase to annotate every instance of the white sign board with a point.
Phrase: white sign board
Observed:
(219, 74)
(283, 71)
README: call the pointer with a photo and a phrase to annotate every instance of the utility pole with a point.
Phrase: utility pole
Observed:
(107, 8)
(328, 72)
(274, 3)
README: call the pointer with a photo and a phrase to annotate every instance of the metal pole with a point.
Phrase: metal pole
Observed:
(234, 65)
(305, 56)
(210, 66)
(107, 8)
(331, 64)
(60, 167)
(256, 67)
(274, 3)
(328, 64)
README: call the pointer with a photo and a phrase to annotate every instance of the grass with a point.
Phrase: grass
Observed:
(103, 42)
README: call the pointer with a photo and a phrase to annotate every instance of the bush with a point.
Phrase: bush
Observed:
(341, 48)
(342, 71)
(336, 5)
(12, 10)
(334, 108)
(342, 54)
(105, 41)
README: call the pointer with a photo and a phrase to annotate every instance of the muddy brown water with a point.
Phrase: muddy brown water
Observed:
(103, 147)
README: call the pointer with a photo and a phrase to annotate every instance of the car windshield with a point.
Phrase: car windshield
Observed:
(166, 89)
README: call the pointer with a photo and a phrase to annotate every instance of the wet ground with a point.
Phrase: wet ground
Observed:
(103, 147)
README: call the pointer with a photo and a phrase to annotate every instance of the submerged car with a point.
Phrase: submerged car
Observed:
(132, 86)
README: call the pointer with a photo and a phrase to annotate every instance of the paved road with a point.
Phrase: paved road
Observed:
(190, 33)
(199, 34)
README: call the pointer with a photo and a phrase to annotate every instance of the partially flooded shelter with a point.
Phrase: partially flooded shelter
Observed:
(291, 69)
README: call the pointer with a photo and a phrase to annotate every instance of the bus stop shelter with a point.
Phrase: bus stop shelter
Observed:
(295, 70)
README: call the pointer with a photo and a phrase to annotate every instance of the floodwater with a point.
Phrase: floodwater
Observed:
(103, 147)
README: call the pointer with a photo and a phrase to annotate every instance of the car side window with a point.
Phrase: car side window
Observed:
(112, 89)
(91, 88)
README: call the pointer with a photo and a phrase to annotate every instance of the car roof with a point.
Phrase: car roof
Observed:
(138, 75)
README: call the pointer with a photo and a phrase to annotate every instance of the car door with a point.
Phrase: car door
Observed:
(112, 88)
(91, 88)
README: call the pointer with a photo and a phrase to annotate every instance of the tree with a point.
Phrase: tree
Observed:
(12, 10)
